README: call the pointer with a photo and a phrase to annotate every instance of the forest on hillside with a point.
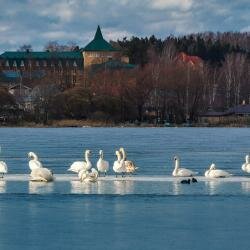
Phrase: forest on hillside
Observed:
(162, 87)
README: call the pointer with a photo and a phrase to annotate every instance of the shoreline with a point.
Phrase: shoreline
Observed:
(109, 124)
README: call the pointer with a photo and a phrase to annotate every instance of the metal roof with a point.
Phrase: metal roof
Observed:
(98, 43)
(236, 110)
(239, 110)
(41, 55)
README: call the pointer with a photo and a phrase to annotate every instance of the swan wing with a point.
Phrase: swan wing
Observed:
(38, 178)
(246, 167)
(94, 173)
(218, 173)
(119, 167)
(77, 166)
(207, 173)
(243, 167)
(183, 172)
(122, 167)
(42, 174)
(3, 167)
(82, 174)
(116, 166)
(92, 177)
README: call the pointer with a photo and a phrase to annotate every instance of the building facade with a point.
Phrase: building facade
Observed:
(66, 68)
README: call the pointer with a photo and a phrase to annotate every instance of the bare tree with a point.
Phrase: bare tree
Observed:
(54, 46)
(25, 48)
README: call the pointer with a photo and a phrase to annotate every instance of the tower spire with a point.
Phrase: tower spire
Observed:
(98, 34)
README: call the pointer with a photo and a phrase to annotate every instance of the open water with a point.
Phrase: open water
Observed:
(126, 214)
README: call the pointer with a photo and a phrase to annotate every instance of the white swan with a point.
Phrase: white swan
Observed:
(38, 172)
(3, 167)
(212, 172)
(86, 165)
(87, 176)
(102, 165)
(129, 165)
(34, 162)
(119, 165)
(182, 172)
(41, 174)
(246, 166)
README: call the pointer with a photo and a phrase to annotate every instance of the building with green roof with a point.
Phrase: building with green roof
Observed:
(99, 51)
(99, 43)
(66, 68)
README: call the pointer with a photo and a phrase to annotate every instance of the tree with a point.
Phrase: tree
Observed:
(25, 48)
(6, 99)
(54, 46)
(43, 95)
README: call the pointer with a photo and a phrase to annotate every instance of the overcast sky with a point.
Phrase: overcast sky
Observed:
(39, 21)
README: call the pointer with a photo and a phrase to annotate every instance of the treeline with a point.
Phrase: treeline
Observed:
(211, 47)
(162, 87)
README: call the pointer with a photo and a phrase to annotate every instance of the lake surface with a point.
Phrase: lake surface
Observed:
(126, 214)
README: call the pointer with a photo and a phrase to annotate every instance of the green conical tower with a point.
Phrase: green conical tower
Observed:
(98, 34)
(99, 43)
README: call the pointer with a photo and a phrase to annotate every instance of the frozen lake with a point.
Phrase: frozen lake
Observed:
(151, 210)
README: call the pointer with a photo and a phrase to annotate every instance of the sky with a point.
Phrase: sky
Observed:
(36, 22)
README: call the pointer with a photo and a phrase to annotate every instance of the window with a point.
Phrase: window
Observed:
(44, 63)
(74, 64)
(22, 63)
(60, 64)
(7, 63)
(37, 63)
(14, 64)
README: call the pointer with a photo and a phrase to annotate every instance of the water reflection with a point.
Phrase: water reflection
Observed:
(103, 187)
(212, 186)
(78, 187)
(40, 187)
(176, 188)
(245, 186)
(2, 186)
(123, 187)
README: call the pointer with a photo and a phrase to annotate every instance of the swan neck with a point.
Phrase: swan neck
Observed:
(35, 157)
(124, 156)
(119, 157)
(101, 156)
(247, 159)
(87, 158)
(177, 164)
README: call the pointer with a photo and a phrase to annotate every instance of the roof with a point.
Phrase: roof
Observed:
(236, 110)
(12, 75)
(41, 55)
(239, 110)
(193, 60)
(98, 43)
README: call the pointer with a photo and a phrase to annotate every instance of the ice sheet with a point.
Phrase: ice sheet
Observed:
(165, 178)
